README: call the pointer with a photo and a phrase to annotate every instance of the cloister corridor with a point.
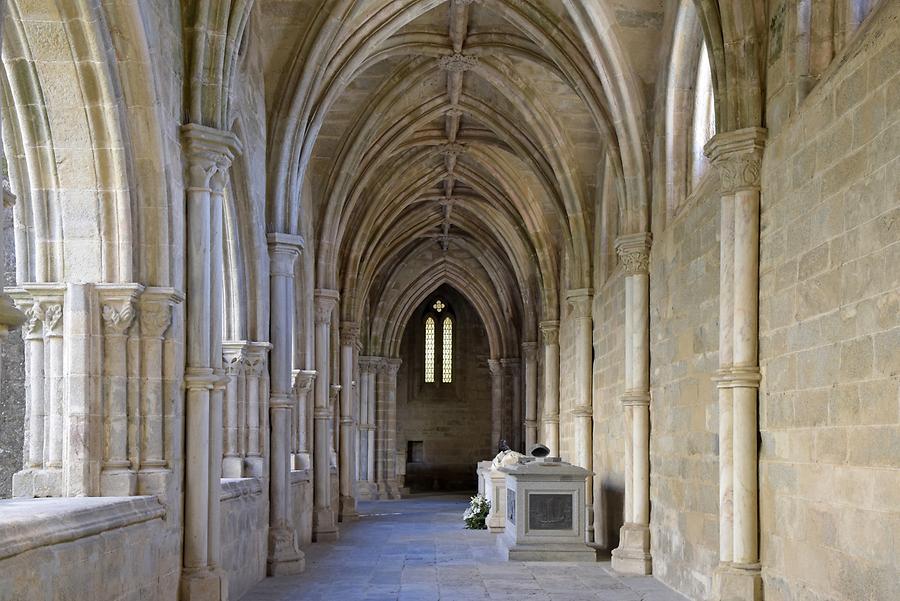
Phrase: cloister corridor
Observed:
(417, 550)
(279, 278)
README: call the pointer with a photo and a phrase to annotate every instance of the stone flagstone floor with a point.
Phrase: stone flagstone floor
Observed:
(417, 550)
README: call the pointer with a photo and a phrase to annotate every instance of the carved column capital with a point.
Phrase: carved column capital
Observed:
(234, 356)
(325, 303)
(634, 252)
(392, 366)
(304, 380)
(334, 392)
(349, 333)
(208, 152)
(581, 300)
(283, 252)
(155, 314)
(529, 351)
(117, 306)
(550, 332)
(496, 367)
(737, 155)
(33, 327)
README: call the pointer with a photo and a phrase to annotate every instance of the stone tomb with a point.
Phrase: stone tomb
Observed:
(545, 512)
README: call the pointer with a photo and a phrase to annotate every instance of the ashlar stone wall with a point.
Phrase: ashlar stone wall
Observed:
(830, 332)
(684, 312)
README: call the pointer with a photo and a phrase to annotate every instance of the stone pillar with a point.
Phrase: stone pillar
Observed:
(324, 519)
(738, 157)
(550, 333)
(118, 476)
(496, 402)
(581, 301)
(349, 340)
(303, 384)
(284, 554)
(633, 554)
(209, 153)
(529, 353)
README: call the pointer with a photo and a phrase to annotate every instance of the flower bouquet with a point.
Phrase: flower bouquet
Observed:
(477, 512)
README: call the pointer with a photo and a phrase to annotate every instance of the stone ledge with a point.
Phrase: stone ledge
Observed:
(233, 488)
(27, 524)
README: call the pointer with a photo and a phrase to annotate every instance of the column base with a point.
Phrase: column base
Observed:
(324, 527)
(633, 553)
(203, 584)
(366, 491)
(118, 483)
(383, 491)
(37, 482)
(738, 582)
(348, 509)
(232, 467)
(284, 558)
(155, 481)
(253, 467)
(301, 461)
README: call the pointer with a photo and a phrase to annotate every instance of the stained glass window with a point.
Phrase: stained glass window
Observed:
(439, 305)
(447, 350)
(429, 350)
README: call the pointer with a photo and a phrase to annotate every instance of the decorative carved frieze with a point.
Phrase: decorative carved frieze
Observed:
(457, 62)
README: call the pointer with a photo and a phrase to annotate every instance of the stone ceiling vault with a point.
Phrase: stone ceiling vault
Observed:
(474, 126)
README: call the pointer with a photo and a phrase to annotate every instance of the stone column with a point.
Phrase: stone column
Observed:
(738, 157)
(529, 353)
(50, 298)
(235, 359)
(253, 370)
(581, 301)
(512, 386)
(550, 333)
(118, 477)
(284, 554)
(155, 317)
(633, 554)
(349, 339)
(392, 366)
(208, 153)
(370, 429)
(303, 384)
(34, 344)
(324, 520)
(496, 402)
